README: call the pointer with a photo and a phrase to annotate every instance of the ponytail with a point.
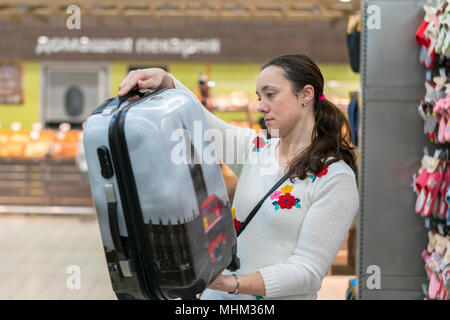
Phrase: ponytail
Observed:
(331, 142)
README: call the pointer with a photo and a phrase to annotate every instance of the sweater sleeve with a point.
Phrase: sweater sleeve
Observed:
(334, 206)
(232, 143)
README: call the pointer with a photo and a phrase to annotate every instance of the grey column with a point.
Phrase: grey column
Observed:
(390, 234)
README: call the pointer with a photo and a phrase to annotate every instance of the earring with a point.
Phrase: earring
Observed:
(304, 104)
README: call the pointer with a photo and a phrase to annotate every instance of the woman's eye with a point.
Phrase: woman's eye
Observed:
(270, 94)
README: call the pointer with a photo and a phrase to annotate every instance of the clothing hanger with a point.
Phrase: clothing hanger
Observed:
(354, 94)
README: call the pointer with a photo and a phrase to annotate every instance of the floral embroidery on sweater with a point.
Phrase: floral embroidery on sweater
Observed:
(259, 143)
(285, 199)
(320, 174)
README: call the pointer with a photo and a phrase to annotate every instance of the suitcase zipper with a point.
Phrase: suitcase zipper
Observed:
(131, 207)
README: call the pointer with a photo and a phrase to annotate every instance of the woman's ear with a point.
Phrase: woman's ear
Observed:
(306, 94)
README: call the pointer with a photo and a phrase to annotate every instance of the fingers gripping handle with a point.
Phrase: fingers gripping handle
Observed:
(135, 91)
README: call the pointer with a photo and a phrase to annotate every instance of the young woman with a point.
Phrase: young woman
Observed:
(288, 247)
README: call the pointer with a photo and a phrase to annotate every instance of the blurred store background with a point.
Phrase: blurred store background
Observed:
(53, 74)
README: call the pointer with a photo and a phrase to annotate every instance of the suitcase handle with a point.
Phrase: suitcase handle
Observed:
(114, 223)
(135, 91)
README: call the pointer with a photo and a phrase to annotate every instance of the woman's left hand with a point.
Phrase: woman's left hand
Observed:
(252, 284)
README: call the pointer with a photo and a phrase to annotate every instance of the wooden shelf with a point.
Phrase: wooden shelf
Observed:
(43, 182)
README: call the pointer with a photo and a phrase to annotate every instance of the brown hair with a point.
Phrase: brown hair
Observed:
(331, 136)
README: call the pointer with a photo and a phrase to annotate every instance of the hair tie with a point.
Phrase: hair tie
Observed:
(322, 97)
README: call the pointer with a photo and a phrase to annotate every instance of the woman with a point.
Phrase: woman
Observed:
(289, 245)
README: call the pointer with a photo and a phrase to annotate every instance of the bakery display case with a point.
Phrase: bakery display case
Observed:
(38, 169)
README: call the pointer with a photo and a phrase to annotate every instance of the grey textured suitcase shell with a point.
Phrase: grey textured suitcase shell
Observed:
(166, 228)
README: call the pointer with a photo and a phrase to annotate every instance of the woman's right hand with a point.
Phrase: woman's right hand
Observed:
(151, 78)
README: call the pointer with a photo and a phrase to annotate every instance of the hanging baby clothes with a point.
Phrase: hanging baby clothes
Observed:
(353, 117)
(353, 41)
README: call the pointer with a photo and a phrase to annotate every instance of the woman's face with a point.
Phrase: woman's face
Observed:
(281, 108)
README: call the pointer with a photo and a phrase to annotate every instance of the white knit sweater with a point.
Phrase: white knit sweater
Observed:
(299, 229)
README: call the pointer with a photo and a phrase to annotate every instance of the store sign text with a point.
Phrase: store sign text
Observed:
(83, 45)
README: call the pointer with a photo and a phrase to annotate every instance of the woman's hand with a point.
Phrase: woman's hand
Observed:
(252, 284)
(151, 78)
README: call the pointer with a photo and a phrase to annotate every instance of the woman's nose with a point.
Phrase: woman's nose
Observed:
(262, 107)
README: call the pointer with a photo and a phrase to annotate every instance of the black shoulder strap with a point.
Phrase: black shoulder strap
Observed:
(256, 208)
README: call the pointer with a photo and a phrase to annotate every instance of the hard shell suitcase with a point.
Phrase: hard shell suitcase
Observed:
(166, 225)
